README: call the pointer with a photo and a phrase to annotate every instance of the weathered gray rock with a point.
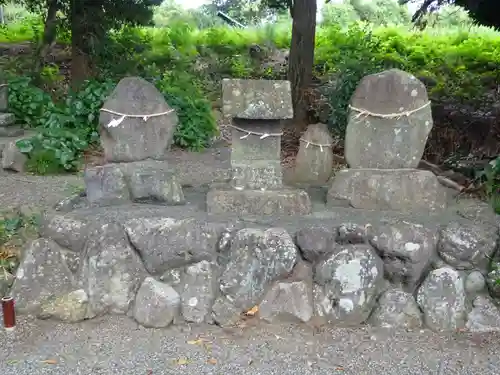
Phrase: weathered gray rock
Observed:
(147, 180)
(68, 231)
(316, 242)
(6, 281)
(404, 190)
(12, 158)
(314, 164)
(4, 96)
(166, 243)
(257, 99)
(352, 233)
(257, 259)
(407, 251)
(136, 138)
(106, 185)
(442, 300)
(397, 309)
(41, 274)
(475, 283)
(288, 301)
(156, 304)
(256, 202)
(111, 272)
(152, 180)
(484, 317)
(71, 203)
(199, 292)
(348, 284)
(467, 246)
(70, 307)
(374, 138)
(265, 174)
(6, 119)
(224, 313)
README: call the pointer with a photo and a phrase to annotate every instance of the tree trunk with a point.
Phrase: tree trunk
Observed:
(301, 58)
(48, 37)
(80, 51)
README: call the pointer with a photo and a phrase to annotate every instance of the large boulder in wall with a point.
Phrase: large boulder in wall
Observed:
(389, 122)
(136, 122)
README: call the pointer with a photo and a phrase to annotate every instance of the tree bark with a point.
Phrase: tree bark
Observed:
(301, 58)
(81, 32)
(48, 37)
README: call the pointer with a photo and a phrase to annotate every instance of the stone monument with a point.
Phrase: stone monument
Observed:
(389, 122)
(257, 109)
(136, 127)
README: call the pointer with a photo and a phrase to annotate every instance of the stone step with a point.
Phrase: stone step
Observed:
(11, 131)
(7, 119)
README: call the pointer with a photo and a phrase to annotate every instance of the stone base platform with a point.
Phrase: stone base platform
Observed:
(259, 202)
(404, 190)
(200, 267)
(118, 183)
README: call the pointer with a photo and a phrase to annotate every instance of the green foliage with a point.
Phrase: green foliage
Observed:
(196, 122)
(66, 130)
(490, 178)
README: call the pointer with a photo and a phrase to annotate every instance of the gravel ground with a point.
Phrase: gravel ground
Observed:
(117, 345)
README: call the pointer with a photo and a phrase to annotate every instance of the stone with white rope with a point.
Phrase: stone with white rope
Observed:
(136, 122)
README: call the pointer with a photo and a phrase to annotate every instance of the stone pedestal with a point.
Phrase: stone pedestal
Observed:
(403, 190)
(389, 122)
(256, 188)
(140, 181)
(7, 120)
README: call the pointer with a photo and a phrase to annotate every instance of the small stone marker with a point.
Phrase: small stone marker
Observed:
(314, 162)
(136, 122)
(388, 127)
(257, 108)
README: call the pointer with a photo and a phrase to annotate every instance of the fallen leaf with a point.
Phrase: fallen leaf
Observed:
(339, 369)
(254, 310)
(212, 361)
(181, 361)
(50, 362)
(195, 342)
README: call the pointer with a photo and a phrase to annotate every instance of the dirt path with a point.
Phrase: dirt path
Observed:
(117, 345)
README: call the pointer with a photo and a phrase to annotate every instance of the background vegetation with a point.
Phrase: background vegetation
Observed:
(187, 53)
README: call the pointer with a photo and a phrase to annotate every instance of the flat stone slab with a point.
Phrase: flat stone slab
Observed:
(257, 99)
(404, 190)
(258, 202)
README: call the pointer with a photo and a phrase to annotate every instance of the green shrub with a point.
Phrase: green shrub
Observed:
(197, 124)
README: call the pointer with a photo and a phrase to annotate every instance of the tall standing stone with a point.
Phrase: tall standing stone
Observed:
(389, 123)
(376, 136)
(137, 128)
(128, 139)
(257, 108)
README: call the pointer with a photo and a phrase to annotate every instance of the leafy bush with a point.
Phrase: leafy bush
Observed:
(66, 130)
(196, 122)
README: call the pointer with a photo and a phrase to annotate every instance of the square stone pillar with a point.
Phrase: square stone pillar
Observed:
(257, 109)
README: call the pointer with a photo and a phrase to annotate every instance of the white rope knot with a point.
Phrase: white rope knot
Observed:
(320, 145)
(249, 133)
(117, 121)
(366, 113)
